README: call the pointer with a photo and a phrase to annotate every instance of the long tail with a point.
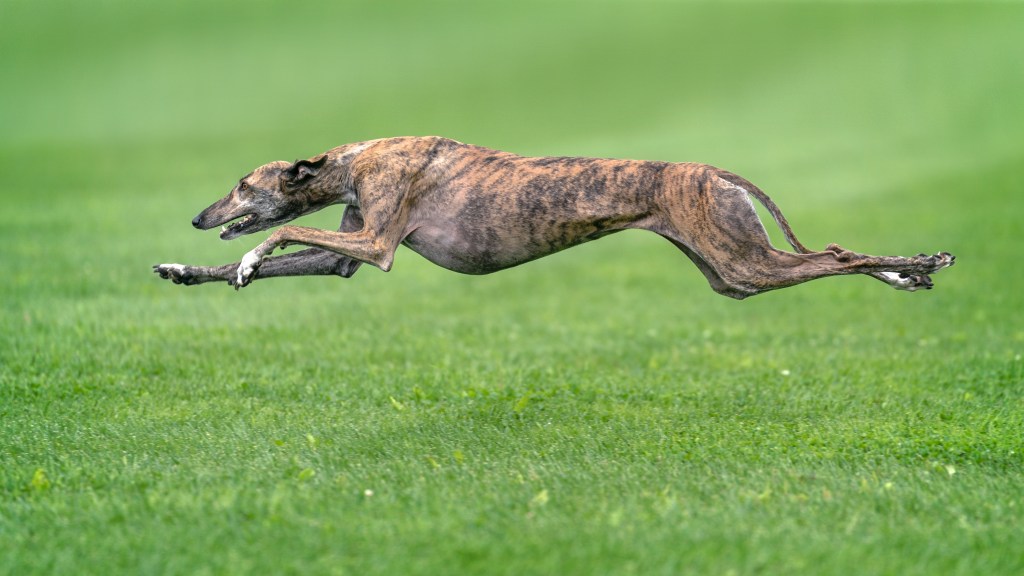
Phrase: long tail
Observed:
(769, 205)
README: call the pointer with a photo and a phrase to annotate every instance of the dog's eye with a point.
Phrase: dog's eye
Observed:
(242, 186)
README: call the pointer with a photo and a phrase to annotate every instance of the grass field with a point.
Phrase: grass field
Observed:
(600, 411)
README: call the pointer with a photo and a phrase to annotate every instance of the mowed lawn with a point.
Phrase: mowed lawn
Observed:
(600, 411)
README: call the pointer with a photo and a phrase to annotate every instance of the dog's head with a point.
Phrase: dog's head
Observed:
(272, 194)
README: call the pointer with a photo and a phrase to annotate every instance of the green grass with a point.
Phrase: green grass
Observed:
(600, 411)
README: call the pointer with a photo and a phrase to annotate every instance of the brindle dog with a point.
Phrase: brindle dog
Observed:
(476, 211)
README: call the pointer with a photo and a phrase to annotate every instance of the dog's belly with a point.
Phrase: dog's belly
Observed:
(486, 250)
(452, 249)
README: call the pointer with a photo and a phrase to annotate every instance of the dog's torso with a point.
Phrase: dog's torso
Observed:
(475, 210)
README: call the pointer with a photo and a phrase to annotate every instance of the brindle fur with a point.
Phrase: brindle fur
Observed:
(475, 210)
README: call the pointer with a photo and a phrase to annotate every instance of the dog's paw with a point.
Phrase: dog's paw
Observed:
(247, 269)
(945, 260)
(908, 282)
(937, 262)
(177, 273)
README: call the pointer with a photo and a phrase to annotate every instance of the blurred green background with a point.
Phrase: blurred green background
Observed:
(597, 411)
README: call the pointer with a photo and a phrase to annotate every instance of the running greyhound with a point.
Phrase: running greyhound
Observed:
(476, 211)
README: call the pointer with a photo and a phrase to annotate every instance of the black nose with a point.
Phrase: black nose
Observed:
(197, 221)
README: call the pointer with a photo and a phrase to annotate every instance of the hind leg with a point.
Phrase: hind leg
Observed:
(903, 279)
(718, 284)
(722, 233)
(900, 272)
(764, 269)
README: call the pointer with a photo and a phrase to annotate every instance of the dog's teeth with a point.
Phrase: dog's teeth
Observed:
(224, 228)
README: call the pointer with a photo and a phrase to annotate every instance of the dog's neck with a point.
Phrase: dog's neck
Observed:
(333, 185)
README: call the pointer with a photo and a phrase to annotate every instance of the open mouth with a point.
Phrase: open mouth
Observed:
(238, 227)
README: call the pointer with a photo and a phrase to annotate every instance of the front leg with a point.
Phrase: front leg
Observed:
(310, 262)
(250, 263)
(384, 212)
(362, 246)
(192, 275)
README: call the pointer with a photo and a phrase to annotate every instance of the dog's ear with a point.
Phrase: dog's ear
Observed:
(303, 171)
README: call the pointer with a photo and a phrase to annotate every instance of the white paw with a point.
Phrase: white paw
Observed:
(177, 273)
(908, 282)
(247, 268)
